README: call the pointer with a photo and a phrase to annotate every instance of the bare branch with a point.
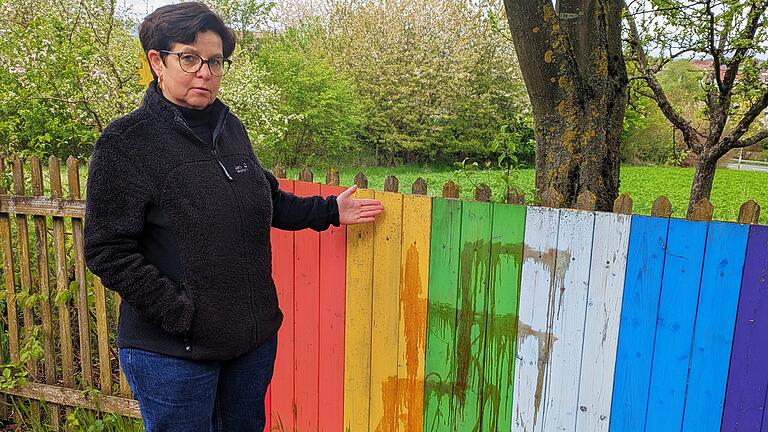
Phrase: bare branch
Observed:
(746, 121)
(750, 30)
(713, 51)
(754, 139)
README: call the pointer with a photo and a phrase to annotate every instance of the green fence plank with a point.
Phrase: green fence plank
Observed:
(441, 315)
(503, 294)
(470, 329)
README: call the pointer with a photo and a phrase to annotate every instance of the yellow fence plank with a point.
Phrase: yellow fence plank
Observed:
(414, 265)
(386, 306)
(357, 352)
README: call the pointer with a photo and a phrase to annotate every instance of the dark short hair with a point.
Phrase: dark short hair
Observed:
(180, 23)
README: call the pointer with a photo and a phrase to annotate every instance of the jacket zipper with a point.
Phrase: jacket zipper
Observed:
(187, 345)
(214, 150)
(215, 153)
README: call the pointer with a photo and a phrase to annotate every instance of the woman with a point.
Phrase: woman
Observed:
(178, 219)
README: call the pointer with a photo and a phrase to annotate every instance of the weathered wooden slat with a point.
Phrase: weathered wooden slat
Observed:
(674, 328)
(386, 306)
(503, 293)
(282, 394)
(747, 381)
(125, 388)
(25, 273)
(440, 369)
(76, 398)
(474, 269)
(62, 281)
(359, 313)
(307, 314)
(534, 342)
(41, 206)
(623, 204)
(41, 243)
(749, 213)
(639, 313)
(102, 334)
(331, 324)
(10, 284)
(450, 190)
(414, 264)
(715, 320)
(601, 329)
(82, 291)
(566, 314)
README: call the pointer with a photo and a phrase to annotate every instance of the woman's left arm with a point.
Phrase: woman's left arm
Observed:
(290, 212)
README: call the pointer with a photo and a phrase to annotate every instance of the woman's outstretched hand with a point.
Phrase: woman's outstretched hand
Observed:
(357, 211)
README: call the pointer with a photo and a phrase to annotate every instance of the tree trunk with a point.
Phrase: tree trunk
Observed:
(574, 70)
(703, 179)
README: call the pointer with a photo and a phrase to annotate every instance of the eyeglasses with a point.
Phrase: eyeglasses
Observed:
(192, 63)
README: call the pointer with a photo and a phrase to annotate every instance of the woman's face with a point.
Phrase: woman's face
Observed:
(190, 90)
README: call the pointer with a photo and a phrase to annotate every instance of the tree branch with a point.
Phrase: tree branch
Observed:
(746, 121)
(688, 131)
(754, 139)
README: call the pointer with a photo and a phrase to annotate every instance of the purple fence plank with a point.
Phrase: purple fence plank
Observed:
(748, 374)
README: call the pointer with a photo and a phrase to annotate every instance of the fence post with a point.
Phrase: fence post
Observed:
(702, 210)
(623, 204)
(586, 201)
(361, 181)
(278, 171)
(332, 177)
(306, 175)
(516, 196)
(73, 175)
(483, 193)
(749, 213)
(661, 207)
(450, 190)
(552, 198)
(391, 184)
(419, 187)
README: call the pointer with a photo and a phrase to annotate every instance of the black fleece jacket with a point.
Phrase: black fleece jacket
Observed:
(179, 226)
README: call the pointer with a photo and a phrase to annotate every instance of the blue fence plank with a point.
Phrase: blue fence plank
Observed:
(674, 328)
(642, 288)
(715, 320)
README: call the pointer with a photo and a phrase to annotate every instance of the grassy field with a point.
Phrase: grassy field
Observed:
(644, 184)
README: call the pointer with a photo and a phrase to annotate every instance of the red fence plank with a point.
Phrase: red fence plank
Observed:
(282, 394)
(307, 316)
(333, 244)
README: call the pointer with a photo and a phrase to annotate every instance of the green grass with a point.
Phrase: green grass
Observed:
(644, 184)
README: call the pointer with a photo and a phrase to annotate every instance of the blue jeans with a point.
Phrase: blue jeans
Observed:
(176, 394)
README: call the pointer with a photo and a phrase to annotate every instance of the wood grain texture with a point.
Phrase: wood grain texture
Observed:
(534, 342)
(747, 387)
(357, 335)
(414, 282)
(637, 332)
(603, 317)
(674, 328)
(440, 358)
(715, 320)
(333, 247)
(307, 317)
(387, 241)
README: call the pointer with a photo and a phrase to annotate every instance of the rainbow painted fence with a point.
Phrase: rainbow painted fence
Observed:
(452, 315)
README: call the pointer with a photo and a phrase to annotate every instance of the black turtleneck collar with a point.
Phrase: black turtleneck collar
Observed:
(202, 121)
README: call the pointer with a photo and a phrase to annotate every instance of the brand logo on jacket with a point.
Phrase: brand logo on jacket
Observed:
(241, 168)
